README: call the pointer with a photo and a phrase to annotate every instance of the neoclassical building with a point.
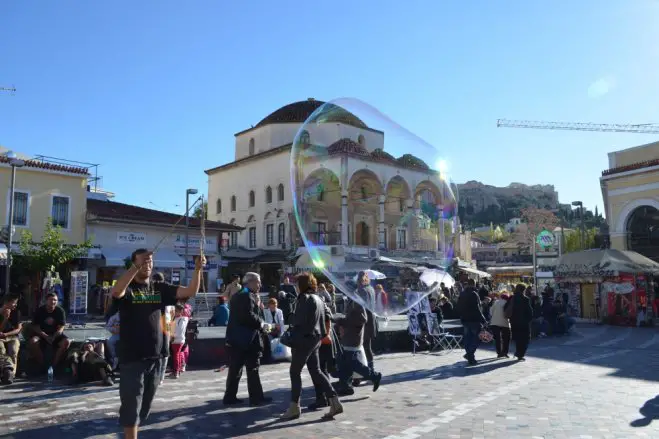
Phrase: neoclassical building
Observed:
(630, 188)
(355, 197)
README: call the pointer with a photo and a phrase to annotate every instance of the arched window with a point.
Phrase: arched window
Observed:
(252, 199)
(281, 233)
(364, 193)
(361, 140)
(280, 192)
(251, 146)
(305, 139)
(268, 195)
(218, 206)
(233, 203)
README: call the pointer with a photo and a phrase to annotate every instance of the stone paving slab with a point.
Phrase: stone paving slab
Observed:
(599, 383)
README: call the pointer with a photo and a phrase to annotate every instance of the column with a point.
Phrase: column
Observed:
(416, 235)
(381, 241)
(344, 217)
(409, 233)
(440, 210)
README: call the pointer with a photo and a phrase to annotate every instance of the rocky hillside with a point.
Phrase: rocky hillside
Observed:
(481, 204)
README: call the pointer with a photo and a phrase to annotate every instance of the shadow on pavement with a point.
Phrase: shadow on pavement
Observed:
(649, 411)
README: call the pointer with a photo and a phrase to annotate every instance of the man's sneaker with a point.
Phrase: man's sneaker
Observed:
(108, 381)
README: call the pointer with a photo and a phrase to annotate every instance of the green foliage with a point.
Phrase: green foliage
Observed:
(573, 240)
(127, 262)
(50, 253)
(199, 209)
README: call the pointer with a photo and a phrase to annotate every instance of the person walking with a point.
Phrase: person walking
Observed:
(245, 344)
(367, 294)
(520, 321)
(308, 329)
(500, 326)
(141, 304)
(472, 318)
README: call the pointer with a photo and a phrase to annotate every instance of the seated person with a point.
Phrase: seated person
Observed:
(10, 328)
(436, 309)
(48, 325)
(220, 314)
(88, 364)
(274, 316)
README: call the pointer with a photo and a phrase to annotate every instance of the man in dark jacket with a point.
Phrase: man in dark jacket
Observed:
(471, 316)
(520, 321)
(244, 343)
(352, 338)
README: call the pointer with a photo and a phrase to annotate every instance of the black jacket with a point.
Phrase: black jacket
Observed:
(309, 317)
(353, 325)
(469, 307)
(522, 311)
(367, 295)
(245, 321)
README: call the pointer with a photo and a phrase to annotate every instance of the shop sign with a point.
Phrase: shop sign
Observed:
(132, 238)
(545, 239)
(194, 242)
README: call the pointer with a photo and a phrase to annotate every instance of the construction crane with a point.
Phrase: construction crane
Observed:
(643, 128)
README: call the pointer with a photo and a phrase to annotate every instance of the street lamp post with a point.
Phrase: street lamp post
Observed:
(14, 162)
(582, 233)
(188, 192)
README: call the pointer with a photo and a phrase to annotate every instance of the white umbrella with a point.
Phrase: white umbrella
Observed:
(430, 276)
(372, 275)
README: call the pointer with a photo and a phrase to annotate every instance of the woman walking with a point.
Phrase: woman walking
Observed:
(500, 326)
(308, 329)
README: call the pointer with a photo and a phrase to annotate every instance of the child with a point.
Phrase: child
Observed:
(179, 350)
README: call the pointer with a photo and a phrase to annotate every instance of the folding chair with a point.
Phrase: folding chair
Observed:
(414, 329)
(448, 342)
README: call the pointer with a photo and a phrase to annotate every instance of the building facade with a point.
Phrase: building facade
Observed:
(43, 191)
(630, 189)
(118, 229)
(370, 202)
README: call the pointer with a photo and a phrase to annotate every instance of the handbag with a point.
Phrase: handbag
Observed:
(287, 337)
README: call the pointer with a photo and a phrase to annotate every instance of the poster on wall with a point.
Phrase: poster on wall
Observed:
(78, 295)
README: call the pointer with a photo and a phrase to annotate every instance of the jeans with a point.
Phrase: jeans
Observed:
(349, 364)
(112, 345)
(470, 339)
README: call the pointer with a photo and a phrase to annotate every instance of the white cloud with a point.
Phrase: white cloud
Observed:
(601, 87)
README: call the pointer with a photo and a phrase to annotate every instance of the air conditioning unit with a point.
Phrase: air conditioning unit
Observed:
(337, 250)
(373, 254)
(283, 246)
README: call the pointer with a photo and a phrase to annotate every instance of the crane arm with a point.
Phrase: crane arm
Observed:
(647, 128)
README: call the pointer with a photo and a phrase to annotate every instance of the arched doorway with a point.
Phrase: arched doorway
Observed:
(362, 234)
(643, 232)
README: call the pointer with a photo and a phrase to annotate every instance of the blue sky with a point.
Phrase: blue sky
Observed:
(155, 90)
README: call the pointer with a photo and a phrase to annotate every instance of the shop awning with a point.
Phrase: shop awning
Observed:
(474, 271)
(166, 258)
(115, 256)
(3, 254)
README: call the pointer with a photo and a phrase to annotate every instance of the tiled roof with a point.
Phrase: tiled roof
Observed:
(347, 146)
(632, 167)
(49, 166)
(111, 210)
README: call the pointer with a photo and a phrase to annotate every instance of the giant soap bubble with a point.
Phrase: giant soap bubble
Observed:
(370, 197)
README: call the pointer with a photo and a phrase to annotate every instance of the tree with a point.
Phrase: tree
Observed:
(51, 253)
(198, 210)
(573, 240)
(538, 220)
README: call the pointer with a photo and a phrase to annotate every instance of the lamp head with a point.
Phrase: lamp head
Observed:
(14, 160)
(191, 191)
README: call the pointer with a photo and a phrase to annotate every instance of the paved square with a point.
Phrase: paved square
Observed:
(597, 383)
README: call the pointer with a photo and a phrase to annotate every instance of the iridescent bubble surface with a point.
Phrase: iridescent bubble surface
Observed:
(374, 199)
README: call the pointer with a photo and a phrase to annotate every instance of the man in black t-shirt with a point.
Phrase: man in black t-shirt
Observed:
(48, 324)
(141, 306)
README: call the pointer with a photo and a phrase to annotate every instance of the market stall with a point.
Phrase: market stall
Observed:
(512, 274)
(611, 285)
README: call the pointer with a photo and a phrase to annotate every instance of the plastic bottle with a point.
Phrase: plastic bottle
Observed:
(50, 374)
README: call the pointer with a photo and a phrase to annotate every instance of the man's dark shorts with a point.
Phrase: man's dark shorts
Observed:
(137, 388)
(57, 341)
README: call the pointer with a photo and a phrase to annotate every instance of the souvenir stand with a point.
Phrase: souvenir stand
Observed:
(614, 286)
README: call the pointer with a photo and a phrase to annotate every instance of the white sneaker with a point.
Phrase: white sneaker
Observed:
(183, 368)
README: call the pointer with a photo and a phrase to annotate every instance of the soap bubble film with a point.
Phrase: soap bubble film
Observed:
(372, 199)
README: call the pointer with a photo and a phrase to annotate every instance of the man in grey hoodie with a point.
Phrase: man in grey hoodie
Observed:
(352, 340)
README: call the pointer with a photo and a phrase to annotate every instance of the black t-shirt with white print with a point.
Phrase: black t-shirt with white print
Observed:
(142, 321)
